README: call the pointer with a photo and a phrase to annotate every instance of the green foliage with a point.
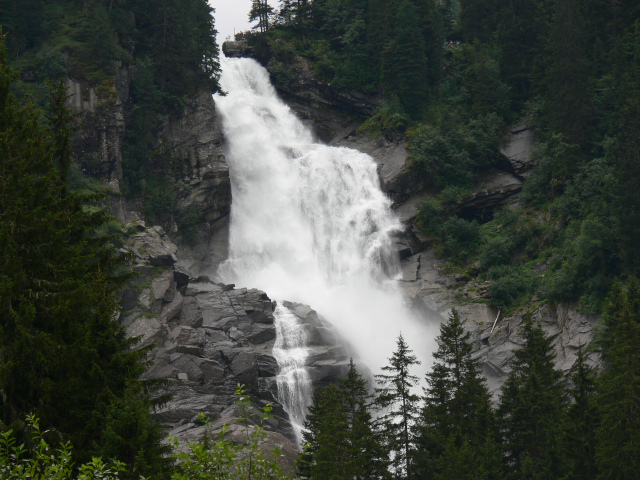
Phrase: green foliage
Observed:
(188, 221)
(394, 395)
(216, 457)
(581, 421)
(510, 283)
(617, 451)
(531, 408)
(457, 428)
(451, 151)
(389, 120)
(340, 437)
(40, 461)
(64, 357)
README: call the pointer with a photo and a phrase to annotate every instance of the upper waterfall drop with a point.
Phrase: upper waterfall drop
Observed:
(309, 222)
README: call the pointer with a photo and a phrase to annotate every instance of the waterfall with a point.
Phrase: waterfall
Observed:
(294, 384)
(309, 224)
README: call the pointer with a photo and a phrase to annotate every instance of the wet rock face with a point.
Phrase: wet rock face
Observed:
(207, 338)
(204, 193)
(328, 357)
(429, 289)
(237, 49)
(494, 190)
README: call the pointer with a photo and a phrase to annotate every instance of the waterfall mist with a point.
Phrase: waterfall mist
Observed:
(310, 224)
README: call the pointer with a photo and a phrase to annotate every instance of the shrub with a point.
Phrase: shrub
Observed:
(510, 283)
(460, 238)
(221, 459)
(42, 462)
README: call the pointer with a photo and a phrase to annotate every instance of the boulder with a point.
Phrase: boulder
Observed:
(154, 249)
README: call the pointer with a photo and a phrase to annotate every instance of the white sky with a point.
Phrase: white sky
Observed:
(231, 14)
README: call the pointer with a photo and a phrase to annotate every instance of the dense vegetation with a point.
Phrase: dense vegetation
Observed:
(168, 48)
(544, 427)
(454, 74)
(64, 357)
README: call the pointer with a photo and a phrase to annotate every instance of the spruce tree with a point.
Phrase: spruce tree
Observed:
(580, 422)
(618, 437)
(340, 438)
(400, 409)
(457, 432)
(410, 63)
(531, 407)
(64, 358)
(260, 11)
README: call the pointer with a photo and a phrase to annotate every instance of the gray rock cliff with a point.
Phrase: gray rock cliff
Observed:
(207, 338)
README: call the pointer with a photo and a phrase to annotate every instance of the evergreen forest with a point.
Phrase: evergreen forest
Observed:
(454, 75)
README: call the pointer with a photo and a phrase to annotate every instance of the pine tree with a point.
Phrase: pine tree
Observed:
(580, 422)
(340, 439)
(457, 428)
(400, 409)
(410, 63)
(618, 437)
(260, 11)
(64, 358)
(531, 407)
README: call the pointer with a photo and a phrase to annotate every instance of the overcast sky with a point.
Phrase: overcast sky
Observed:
(231, 14)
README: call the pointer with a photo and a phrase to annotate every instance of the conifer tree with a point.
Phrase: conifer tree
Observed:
(457, 429)
(340, 439)
(64, 358)
(581, 422)
(531, 408)
(410, 60)
(400, 409)
(260, 11)
(618, 437)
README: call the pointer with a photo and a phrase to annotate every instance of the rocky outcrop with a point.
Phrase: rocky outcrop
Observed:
(517, 150)
(429, 289)
(191, 138)
(207, 338)
(391, 156)
(204, 187)
(328, 357)
(494, 190)
(237, 49)
(97, 144)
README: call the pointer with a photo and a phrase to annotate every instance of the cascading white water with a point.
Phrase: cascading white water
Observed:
(309, 224)
(294, 383)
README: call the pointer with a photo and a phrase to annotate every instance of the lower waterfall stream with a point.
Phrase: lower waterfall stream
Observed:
(309, 224)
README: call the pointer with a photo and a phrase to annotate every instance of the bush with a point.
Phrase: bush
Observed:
(42, 462)
(453, 151)
(509, 284)
(389, 120)
(218, 458)
(460, 238)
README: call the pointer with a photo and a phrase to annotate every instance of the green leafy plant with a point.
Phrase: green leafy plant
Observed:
(40, 461)
(216, 457)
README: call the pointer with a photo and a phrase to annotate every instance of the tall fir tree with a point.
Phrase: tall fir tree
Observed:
(340, 438)
(64, 357)
(457, 432)
(410, 62)
(618, 437)
(400, 409)
(580, 422)
(531, 406)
